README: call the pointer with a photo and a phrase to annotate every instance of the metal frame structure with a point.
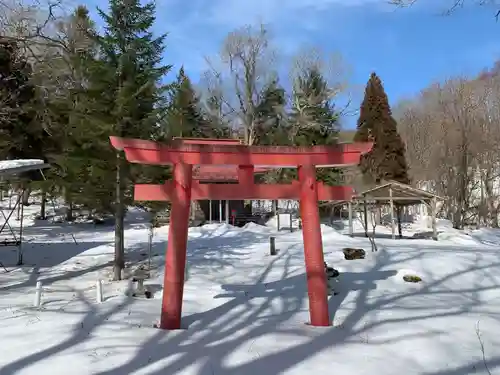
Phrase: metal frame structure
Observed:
(6, 173)
(185, 156)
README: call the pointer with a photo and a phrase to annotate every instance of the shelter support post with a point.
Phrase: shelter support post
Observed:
(21, 227)
(365, 212)
(349, 206)
(391, 202)
(226, 209)
(313, 247)
(210, 216)
(398, 216)
(175, 261)
(433, 216)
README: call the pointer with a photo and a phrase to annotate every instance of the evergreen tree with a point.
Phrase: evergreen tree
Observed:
(81, 156)
(213, 114)
(127, 82)
(314, 120)
(21, 135)
(270, 116)
(313, 115)
(387, 159)
(184, 116)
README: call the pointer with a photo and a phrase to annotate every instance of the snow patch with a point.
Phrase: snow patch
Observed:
(457, 237)
(488, 236)
(244, 310)
(252, 227)
(11, 164)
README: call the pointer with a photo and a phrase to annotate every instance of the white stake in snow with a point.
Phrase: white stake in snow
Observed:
(38, 294)
(99, 291)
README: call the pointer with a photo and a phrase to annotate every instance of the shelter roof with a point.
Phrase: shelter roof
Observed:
(400, 194)
(15, 167)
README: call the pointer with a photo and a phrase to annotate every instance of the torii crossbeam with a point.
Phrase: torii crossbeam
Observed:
(182, 189)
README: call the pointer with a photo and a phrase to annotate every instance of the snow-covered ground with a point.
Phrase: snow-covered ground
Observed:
(245, 312)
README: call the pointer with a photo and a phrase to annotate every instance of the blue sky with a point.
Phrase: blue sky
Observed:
(408, 48)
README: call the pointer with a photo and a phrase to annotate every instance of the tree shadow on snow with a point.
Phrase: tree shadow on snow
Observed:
(41, 258)
(212, 253)
(350, 282)
(270, 311)
(382, 235)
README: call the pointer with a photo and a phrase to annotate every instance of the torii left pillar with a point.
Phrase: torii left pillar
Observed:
(313, 247)
(175, 262)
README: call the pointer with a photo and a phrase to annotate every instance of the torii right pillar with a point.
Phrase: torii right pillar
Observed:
(313, 247)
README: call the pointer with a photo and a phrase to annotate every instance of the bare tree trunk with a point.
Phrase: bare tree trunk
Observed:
(365, 212)
(69, 211)
(463, 182)
(119, 261)
(482, 212)
(43, 204)
(491, 209)
(26, 196)
(69, 204)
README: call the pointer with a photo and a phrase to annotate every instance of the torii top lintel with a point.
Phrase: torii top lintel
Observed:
(155, 153)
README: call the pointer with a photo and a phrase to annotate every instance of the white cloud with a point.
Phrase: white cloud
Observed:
(234, 13)
(196, 27)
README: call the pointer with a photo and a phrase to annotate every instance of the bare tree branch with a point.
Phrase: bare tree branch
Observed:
(244, 69)
(453, 5)
(33, 26)
(451, 133)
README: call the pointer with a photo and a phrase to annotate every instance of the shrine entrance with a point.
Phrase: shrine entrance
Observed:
(184, 155)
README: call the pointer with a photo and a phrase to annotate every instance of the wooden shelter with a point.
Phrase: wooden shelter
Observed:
(396, 195)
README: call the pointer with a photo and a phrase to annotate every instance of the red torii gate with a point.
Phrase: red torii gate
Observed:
(183, 155)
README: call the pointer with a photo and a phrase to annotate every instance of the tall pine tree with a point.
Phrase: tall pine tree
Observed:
(184, 115)
(270, 116)
(81, 153)
(214, 115)
(128, 83)
(387, 159)
(314, 120)
(21, 135)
